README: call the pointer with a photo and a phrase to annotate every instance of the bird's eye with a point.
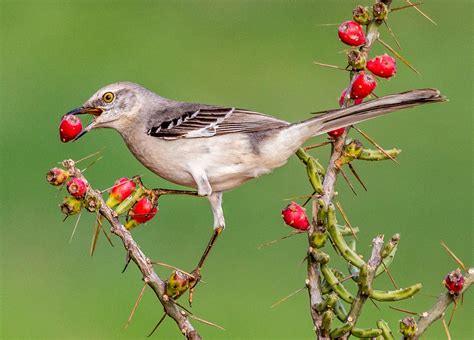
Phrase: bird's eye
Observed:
(108, 97)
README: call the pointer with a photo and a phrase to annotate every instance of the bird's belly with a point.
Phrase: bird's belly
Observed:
(227, 160)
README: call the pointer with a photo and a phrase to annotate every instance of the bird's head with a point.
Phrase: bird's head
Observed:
(112, 105)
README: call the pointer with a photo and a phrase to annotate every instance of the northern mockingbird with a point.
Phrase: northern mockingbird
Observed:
(213, 148)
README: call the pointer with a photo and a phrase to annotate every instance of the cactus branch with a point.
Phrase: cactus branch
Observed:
(437, 310)
(141, 260)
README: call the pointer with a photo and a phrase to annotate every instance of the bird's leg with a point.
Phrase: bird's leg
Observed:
(219, 224)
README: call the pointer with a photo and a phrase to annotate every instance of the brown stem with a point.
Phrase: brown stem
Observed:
(141, 260)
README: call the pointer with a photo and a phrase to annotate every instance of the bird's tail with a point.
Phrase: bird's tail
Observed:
(330, 120)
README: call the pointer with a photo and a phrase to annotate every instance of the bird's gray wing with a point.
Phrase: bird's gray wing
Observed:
(209, 121)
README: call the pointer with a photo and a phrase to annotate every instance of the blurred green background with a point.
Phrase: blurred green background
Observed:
(251, 54)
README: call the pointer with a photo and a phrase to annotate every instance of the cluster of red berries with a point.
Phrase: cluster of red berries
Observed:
(141, 212)
(69, 128)
(363, 83)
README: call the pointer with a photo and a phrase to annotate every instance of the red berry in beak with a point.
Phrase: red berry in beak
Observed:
(294, 215)
(382, 66)
(336, 133)
(69, 128)
(351, 33)
(121, 190)
(362, 86)
(454, 282)
(141, 212)
(57, 176)
(77, 187)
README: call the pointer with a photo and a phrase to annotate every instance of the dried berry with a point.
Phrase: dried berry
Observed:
(361, 15)
(69, 128)
(408, 327)
(57, 176)
(454, 282)
(356, 59)
(177, 284)
(294, 215)
(141, 212)
(120, 191)
(380, 11)
(362, 85)
(71, 206)
(77, 187)
(351, 33)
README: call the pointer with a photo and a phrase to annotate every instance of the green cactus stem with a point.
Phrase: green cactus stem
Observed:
(319, 255)
(386, 331)
(304, 157)
(353, 270)
(338, 240)
(336, 286)
(340, 311)
(395, 295)
(337, 332)
(314, 177)
(327, 318)
(366, 332)
(377, 155)
(388, 254)
(127, 203)
(318, 239)
(351, 151)
(346, 231)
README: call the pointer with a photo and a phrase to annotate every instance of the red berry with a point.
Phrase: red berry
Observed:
(454, 282)
(341, 99)
(77, 187)
(121, 190)
(294, 215)
(351, 33)
(362, 85)
(57, 176)
(383, 66)
(143, 211)
(69, 128)
(336, 133)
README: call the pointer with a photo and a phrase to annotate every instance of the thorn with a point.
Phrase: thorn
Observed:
(374, 143)
(389, 275)
(127, 261)
(157, 325)
(299, 197)
(392, 34)
(356, 175)
(346, 278)
(322, 25)
(376, 306)
(422, 13)
(194, 317)
(344, 216)
(105, 232)
(347, 181)
(303, 260)
(92, 163)
(450, 252)
(139, 298)
(314, 146)
(404, 7)
(95, 236)
(446, 329)
(293, 233)
(75, 226)
(399, 56)
(452, 312)
(91, 155)
(309, 199)
(173, 267)
(403, 310)
(287, 297)
(329, 66)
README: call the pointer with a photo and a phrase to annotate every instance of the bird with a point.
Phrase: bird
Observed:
(213, 148)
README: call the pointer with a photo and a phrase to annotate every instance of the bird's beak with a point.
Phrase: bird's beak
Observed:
(95, 111)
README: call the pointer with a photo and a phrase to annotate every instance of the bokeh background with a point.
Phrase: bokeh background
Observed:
(251, 54)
